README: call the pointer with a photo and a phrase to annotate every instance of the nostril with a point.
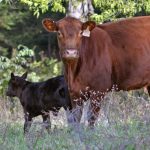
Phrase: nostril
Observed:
(67, 52)
(76, 52)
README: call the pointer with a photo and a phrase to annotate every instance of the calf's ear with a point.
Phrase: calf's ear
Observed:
(49, 25)
(24, 76)
(12, 75)
(89, 25)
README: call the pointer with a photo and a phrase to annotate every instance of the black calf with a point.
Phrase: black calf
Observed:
(39, 98)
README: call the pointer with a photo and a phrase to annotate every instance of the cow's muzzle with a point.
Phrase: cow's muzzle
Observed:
(9, 94)
(70, 54)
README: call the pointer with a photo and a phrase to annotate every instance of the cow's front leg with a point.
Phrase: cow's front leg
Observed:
(94, 108)
(46, 121)
(28, 122)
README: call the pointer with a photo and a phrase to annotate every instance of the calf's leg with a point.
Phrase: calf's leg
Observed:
(27, 123)
(46, 121)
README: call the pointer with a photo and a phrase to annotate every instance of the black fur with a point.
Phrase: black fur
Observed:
(39, 98)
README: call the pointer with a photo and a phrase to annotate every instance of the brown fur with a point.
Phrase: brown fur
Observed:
(116, 53)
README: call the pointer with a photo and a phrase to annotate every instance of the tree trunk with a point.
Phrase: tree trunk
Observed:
(80, 9)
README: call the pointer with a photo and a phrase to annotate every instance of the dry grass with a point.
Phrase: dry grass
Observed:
(124, 124)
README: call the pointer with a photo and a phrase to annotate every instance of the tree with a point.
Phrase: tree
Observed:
(104, 9)
(112, 10)
(42, 6)
(19, 26)
(80, 9)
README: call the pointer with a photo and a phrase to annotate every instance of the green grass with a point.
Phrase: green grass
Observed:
(124, 136)
(124, 124)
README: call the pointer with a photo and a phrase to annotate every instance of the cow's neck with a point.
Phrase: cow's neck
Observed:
(71, 68)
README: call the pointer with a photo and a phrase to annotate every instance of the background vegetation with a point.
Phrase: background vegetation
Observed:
(26, 46)
(20, 24)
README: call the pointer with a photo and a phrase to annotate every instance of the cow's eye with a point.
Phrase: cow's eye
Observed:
(80, 33)
(59, 33)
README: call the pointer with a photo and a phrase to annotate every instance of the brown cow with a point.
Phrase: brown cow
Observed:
(101, 56)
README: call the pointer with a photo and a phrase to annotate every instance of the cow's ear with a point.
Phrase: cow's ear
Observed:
(24, 76)
(12, 75)
(49, 25)
(89, 25)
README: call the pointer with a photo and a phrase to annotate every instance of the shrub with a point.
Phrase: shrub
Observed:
(24, 61)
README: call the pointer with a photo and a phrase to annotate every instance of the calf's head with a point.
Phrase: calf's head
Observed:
(69, 34)
(16, 85)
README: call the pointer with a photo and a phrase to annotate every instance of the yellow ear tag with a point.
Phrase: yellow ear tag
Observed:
(86, 32)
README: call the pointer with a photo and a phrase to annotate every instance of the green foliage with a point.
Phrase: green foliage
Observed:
(104, 9)
(42, 6)
(18, 25)
(111, 10)
(26, 52)
(24, 61)
(15, 26)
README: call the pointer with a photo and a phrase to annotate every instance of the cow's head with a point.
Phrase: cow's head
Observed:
(69, 33)
(15, 85)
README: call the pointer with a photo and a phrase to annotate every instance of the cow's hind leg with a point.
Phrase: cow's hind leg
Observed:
(27, 123)
(46, 121)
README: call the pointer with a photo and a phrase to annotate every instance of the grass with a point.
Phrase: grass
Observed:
(129, 137)
(124, 124)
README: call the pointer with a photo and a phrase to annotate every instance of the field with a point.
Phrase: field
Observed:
(124, 124)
